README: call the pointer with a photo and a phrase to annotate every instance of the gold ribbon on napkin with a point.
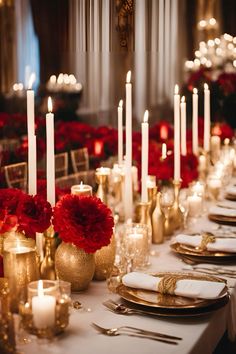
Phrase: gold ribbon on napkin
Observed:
(167, 284)
(206, 238)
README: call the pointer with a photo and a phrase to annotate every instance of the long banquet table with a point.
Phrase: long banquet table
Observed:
(200, 334)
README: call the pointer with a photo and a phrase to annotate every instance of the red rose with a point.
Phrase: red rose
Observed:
(34, 214)
(84, 221)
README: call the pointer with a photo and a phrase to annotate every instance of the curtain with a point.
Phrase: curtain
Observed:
(7, 46)
(27, 48)
(100, 54)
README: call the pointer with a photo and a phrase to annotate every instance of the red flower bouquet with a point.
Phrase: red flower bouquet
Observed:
(22, 212)
(34, 214)
(84, 221)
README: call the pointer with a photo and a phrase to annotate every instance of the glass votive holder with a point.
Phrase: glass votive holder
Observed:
(198, 188)
(20, 267)
(82, 189)
(135, 245)
(214, 185)
(46, 311)
(194, 205)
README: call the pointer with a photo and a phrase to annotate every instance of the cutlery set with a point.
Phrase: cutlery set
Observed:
(137, 332)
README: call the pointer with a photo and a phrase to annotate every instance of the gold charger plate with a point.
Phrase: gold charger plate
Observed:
(168, 305)
(230, 197)
(200, 256)
(222, 219)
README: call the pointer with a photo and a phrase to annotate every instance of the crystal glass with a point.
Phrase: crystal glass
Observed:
(184, 207)
(214, 185)
(135, 246)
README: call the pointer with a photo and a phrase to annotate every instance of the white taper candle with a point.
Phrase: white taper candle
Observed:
(50, 155)
(195, 122)
(176, 134)
(120, 132)
(144, 170)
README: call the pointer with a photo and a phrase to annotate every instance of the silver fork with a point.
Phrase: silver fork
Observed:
(130, 331)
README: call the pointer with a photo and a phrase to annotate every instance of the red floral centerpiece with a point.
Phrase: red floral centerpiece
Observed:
(23, 213)
(84, 224)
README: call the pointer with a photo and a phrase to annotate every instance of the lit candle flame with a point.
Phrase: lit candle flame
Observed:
(205, 86)
(81, 184)
(176, 89)
(121, 103)
(183, 99)
(145, 116)
(31, 81)
(128, 77)
(40, 288)
(195, 91)
(49, 104)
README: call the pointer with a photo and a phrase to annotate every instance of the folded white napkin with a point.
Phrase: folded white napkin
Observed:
(220, 244)
(231, 190)
(215, 210)
(185, 287)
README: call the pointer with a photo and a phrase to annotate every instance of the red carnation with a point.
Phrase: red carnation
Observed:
(34, 214)
(84, 221)
(9, 199)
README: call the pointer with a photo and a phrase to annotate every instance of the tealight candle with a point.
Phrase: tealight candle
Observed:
(43, 308)
(82, 189)
(195, 205)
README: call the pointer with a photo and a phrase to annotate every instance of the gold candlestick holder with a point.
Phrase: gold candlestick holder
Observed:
(176, 213)
(142, 216)
(102, 181)
(47, 268)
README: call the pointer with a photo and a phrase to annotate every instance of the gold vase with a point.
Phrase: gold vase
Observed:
(142, 215)
(74, 265)
(104, 260)
(157, 222)
(47, 268)
(176, 213)
(102, 181)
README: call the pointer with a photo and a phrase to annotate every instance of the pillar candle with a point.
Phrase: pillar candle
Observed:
(50, 155)
(144, 171)
(43, 308)
(120, 132)
(195, 121)
(207, 123)
(176, 134)
(32, 157)
(128, 200)
(183, 126)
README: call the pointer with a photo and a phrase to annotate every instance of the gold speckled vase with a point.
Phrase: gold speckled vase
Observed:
(104, 260)
(74, 265)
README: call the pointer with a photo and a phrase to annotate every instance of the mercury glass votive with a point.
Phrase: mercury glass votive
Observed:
(46, 311)
(20, 267)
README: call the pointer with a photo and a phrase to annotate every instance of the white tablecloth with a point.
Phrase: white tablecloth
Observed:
(200, 334)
